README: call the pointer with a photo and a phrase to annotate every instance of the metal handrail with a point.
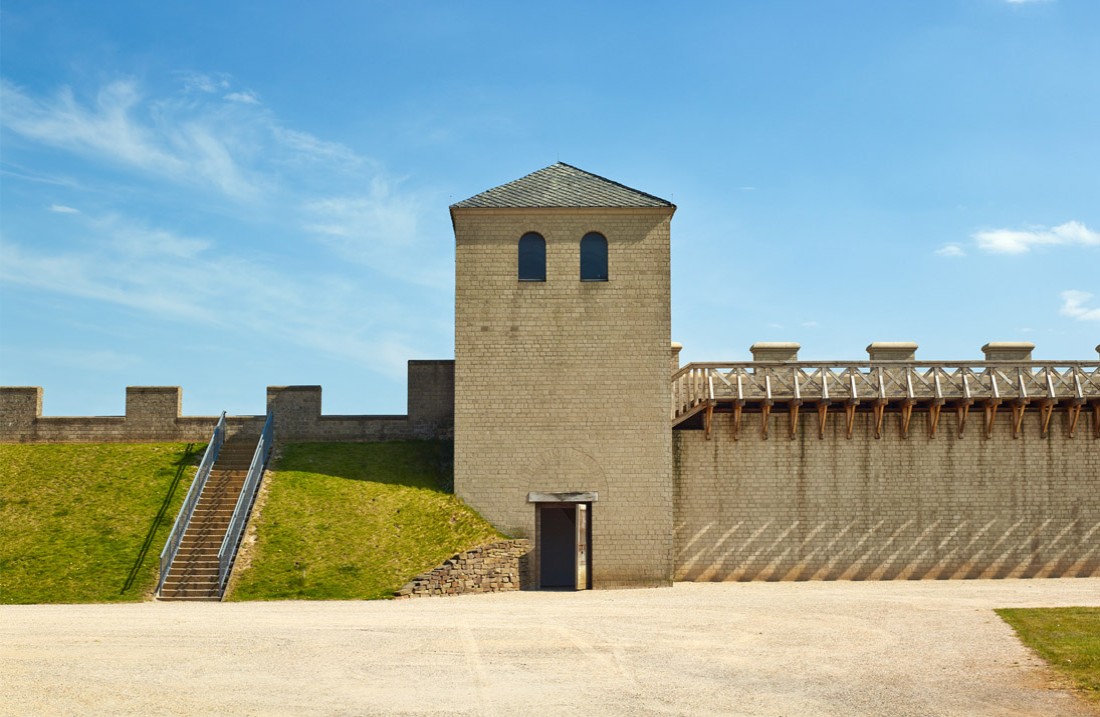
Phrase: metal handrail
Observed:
(237, 523)
(183, 518)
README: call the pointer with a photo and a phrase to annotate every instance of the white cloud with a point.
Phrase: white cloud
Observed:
(62, 209)
(1026, 2)
(121, 127)
(950, 250)
(1074, 306)
(1010, 241)
(202, 82)
(171, 146)
(159, 273)
(247, 97)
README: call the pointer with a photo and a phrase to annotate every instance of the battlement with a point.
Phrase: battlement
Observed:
(153, 413)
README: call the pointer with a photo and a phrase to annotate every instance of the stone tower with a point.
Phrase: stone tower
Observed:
(562, 323)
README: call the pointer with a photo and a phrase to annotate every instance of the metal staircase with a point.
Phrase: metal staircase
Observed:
(199, 553)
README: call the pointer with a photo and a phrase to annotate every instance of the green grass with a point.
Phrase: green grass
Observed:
(86, 523)
(356, 521)
(1068, 638)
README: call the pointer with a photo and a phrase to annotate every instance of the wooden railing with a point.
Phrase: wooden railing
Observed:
(1040, 385)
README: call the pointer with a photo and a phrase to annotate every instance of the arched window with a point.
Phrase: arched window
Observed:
(532, 257)
(593, 257)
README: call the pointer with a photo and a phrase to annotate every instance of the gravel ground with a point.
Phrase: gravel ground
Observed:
(812, 648)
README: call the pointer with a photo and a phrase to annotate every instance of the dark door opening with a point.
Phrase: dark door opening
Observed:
(564, 533)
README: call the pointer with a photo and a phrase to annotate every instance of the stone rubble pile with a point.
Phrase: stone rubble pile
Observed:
(496, 567)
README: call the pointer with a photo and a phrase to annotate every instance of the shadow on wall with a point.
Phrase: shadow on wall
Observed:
(830, 550)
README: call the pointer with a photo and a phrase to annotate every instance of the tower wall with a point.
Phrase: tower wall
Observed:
(562, 385)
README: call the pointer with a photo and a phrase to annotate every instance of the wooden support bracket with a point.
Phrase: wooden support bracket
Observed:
(1046, 410)
(735, 424)
(793, 417)
(962, 409)
(1096, 419)
(934, 417)
(849, 417)
(1074, 411)
(1018, 408)
(822, 417)
(990, 407)
(906, 415)
(765, 414)
(880, 412)
(707, 418)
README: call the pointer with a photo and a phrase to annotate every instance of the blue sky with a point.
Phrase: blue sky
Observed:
(226, 196)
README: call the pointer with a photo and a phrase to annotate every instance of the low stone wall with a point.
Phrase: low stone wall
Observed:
(493, 568)
(153, 414)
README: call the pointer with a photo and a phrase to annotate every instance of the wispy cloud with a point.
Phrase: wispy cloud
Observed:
(209, 139)
(204, 82)
(121, 127)
(177, 278)
(379, 228)
(1013, 241)
(1074, 305)
(1026, 2)
(950, 250)
(247, 97)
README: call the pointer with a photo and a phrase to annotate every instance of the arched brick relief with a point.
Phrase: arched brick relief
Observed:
(563, 470)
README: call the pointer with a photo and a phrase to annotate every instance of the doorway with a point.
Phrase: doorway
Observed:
(564, 534)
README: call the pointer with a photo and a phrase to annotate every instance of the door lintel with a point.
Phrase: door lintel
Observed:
(575, 497)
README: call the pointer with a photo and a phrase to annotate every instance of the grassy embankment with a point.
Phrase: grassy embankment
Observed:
(86, 523)
(355, 521)
(1068, 638)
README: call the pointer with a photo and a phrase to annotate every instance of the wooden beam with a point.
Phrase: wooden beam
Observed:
(849, 416)
(880, 412)
(1018, 408)
(962, 409)
(1096, 419)
(822, 417)
(707, 418)
(934, 416)
(1046, 410)
(1074, 412)
(990, 406)
(906, 415)
(735, 424)
(793, 417)
(765, 413)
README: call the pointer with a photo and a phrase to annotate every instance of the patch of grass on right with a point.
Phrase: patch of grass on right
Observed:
(356, 521)
(1068, 638)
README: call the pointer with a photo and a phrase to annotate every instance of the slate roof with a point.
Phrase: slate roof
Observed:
(562, 185)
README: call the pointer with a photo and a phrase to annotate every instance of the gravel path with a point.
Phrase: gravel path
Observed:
(815, 648)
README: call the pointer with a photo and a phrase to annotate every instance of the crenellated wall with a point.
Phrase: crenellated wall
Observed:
(153, 413)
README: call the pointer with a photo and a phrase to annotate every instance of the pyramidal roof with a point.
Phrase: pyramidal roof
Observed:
(562, 185)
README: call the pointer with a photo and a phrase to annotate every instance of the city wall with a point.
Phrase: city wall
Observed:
(153, 414)
(889, 508)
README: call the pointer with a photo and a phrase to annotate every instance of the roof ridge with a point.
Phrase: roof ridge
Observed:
(612, 181)
(562, 185)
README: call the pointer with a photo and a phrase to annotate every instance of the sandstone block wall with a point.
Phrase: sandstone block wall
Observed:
(563, 385)
(497, 567)
(153, 413)
(948, 507)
